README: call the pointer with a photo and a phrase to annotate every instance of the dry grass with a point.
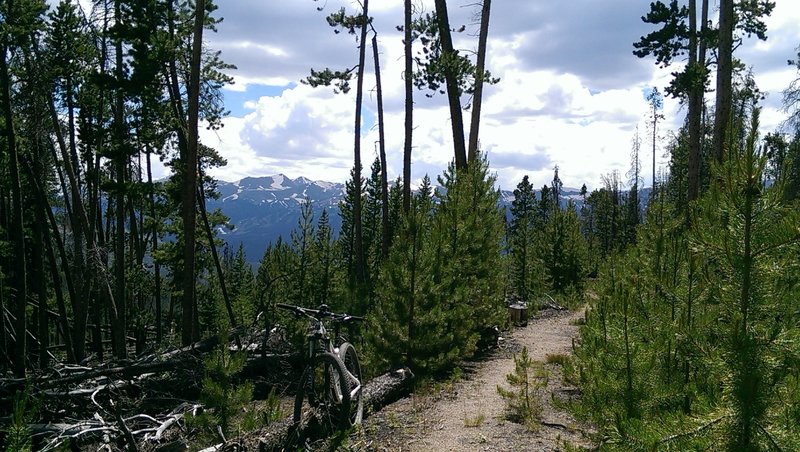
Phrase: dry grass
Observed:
(475, 421)
(557, 358)
(578, 322)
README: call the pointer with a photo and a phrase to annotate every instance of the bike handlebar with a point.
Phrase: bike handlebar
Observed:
(319, 314)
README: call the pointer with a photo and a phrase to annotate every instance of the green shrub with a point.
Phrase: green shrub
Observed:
(221, 396)
(523, 400)
(18, 438)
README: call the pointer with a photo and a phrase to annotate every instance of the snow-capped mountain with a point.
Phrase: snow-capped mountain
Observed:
(261, 209)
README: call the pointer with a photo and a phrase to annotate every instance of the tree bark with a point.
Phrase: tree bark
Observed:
(99, 298)
(358, 243)
(474, 124)
(189, 301)
(156, 264)
(409, 107)
(19, 290)
(385, 234)
(722, 113)
(39, 281)
(210, 235)
(44, 215)
(695, 96)
(451, 80)
(117, 309)
(81, 233)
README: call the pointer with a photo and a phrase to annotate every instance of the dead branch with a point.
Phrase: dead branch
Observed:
(86, 430)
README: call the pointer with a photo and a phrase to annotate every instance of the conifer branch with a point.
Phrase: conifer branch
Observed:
(693, 432)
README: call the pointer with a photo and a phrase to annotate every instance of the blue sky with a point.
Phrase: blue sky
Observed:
(235, 100)
(571, 91)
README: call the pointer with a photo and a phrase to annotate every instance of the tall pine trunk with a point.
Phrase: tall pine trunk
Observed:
(358, 242)
(80, 228)
(19, 290)
(217, 265)
(44, 215)
(189, 302)
(474, 125)
(118, 320)
(695, 109)
(451, 80)
(156, 263)
(722, 113)
(385, 234)
(409, 106)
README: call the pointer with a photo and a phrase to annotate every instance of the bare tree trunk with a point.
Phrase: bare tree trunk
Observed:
(44, 215)
(136, 253)
(39, 281)
(695, 109)
(382, 146)
(19, 289)
(409, 106)
(156, 264)
(655, 123)
(654, 103)
(210, 235)
(80, 227)
(118, 320)
(453, 94)
(180, 129)
(38, 277)
(100, 299)
(722, 113)
(189, 303)
(62, 308)
(358, 243)
(474, 125)
(5, 263)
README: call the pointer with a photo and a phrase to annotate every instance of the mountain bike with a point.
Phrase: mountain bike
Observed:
(331, 381)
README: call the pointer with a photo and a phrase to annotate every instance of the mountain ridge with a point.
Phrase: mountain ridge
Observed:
(264, 208)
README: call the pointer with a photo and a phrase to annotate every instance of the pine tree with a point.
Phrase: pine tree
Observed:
(273, 280)
(346, 247)
(241, 282)
(302, 244)
(468, 237)
(545, 206)
(564, 249)
(746, 234)
(523, 400)
(521, 240)
(372, 221)
(322, 250)
(405, 324)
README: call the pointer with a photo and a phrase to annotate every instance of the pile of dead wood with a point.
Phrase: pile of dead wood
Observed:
(143, 404)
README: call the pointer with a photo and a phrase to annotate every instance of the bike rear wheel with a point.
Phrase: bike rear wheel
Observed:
(324, 391)
(348, 355)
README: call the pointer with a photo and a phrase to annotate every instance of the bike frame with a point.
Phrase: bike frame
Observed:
(338, 377)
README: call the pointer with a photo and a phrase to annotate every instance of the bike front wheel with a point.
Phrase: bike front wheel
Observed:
(324, 393)
(348, 355)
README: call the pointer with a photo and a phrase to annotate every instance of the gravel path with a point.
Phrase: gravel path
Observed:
(468, 415)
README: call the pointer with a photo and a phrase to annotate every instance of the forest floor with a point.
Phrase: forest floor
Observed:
(468, 414)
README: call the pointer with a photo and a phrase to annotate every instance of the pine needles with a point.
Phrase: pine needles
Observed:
(523, 400)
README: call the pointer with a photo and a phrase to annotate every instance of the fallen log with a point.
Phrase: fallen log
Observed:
(284, 435)
(385, 389)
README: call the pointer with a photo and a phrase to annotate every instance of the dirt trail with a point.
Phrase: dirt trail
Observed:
(468, 416)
